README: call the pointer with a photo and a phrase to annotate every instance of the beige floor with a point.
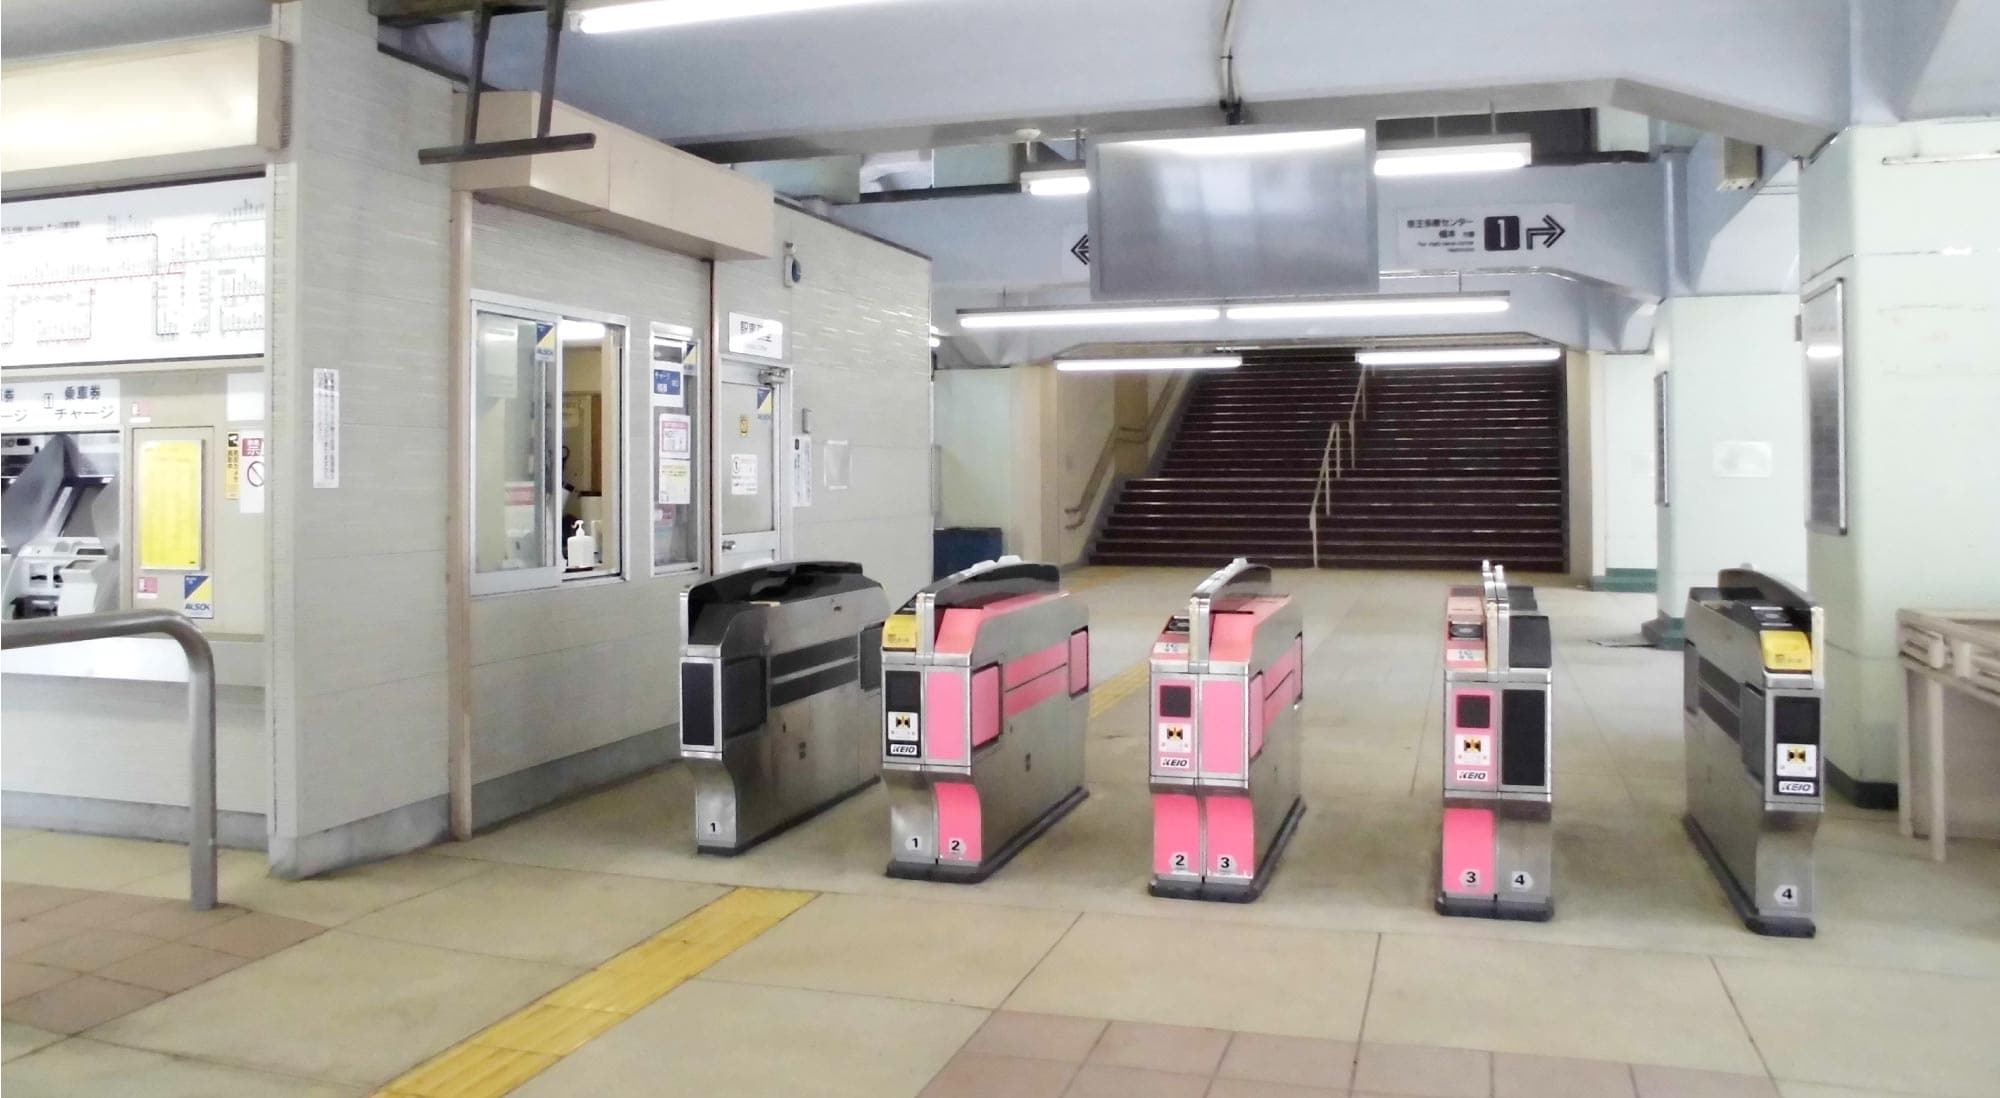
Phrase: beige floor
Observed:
(1059, 975)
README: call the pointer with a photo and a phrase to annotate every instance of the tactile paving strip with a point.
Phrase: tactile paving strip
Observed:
(526, 1043)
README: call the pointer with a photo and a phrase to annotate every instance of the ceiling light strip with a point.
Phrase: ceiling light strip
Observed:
(1460, 356)
(1476, 304)
(1087, 318)
(1180, 362)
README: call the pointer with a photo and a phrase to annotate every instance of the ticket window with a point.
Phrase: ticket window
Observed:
(547, 398)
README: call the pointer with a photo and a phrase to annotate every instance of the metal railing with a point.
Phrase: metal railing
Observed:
(1342, 449)
(34, 632)
(1168, 399)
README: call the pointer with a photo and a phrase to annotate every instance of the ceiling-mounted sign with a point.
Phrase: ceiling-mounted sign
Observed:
(1513, 234)
(137, 275)
(756, 336)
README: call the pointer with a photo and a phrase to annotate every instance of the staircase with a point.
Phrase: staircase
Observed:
(1456, 465)
(1237, 480)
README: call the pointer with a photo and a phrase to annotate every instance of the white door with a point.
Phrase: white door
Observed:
(748, 435)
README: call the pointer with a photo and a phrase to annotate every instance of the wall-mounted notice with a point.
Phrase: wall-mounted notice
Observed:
(802, 471)
(756, 336)
(59, 405)
(326, 428)
(256, 470)
(839, 464)
(743, 474)
(123, 276)
(169, 505)
(676, 459)
(669, 373)
(1431, 237)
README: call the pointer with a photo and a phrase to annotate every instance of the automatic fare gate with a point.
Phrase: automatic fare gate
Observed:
(1227, 681)
(1495, 859)
(778, 686)
(1754, 674)
(985, 699)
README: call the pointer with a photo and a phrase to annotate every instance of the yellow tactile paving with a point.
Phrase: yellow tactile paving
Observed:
(1116, 689)
(524, 1044)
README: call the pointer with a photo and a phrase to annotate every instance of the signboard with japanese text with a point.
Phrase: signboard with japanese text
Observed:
(756, 336)
(1430, 238)
(60, 405)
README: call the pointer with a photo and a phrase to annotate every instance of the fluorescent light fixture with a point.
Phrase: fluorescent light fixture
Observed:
(1822, 352)
(652, 14)
(1455, 159)
(936, 342)
(580, 331)
(1088, 318)
(1180, 362)
(1430, 305)
(1056, 182)
(1250, 144)
(1459, 356)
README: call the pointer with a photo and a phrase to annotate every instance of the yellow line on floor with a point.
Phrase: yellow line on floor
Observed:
(1117, 688)
(531, 1040)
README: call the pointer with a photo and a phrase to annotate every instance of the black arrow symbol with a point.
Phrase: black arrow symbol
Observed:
(1549, 231)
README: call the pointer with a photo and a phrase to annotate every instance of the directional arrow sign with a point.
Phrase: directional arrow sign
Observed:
(1548, 232)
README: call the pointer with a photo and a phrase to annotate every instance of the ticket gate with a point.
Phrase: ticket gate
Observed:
(1754, 672)
(779, 682)
(986, 694)
(1496, 856)
(1227, 680)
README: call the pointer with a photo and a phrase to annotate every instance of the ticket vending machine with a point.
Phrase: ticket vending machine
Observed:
(1496, 856)
(1754, 672)
(779, 687)
(1227, 680)
(986, 694)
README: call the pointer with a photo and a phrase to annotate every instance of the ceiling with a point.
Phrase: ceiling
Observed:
(32, 28)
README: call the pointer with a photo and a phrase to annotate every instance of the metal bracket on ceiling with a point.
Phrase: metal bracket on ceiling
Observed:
(483, 11)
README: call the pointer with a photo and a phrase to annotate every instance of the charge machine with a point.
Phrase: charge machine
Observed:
(1228, 677)
(1754, 672)
(1496, 858)
(986, 694)
(779, 682)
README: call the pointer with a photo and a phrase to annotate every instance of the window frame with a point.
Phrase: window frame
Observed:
(549, 577)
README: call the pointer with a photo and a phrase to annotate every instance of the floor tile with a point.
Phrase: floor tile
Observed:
(1423, 1070)
(171, 967)
(1298, 1061)
(1182, 1049)
(79, 1004)
(28, 935)
(330, 899)
(1112, 1081)
(1257, 1088)
(989, 1075)
(912, 949)
(1788, 1089)
(1628, 1005)
(90, 949)
(102, 909)
(1911, 1031)
(1518, 1076)
(90, 861)
(18, 1039)
(578, 919)
(20, 979)
(86, 1067)
(373, 1008)
(1177, 971)
(18, 900)
(728, 1039)
(1040, 1036)
(173, 922)
(254, 935)
(1670, 1082)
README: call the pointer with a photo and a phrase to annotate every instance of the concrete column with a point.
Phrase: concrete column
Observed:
(1904, 217)
(1735, 445)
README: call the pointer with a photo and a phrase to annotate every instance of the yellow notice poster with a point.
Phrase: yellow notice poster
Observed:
(169, 505)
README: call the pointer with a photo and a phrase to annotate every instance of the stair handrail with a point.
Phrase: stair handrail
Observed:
(1357, 411)
(1329, 459)
(1106, 456)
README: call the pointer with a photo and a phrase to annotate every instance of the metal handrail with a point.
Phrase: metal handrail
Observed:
(1357, 411)
(1106, 456)
(34, 632)
(1329, 459)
